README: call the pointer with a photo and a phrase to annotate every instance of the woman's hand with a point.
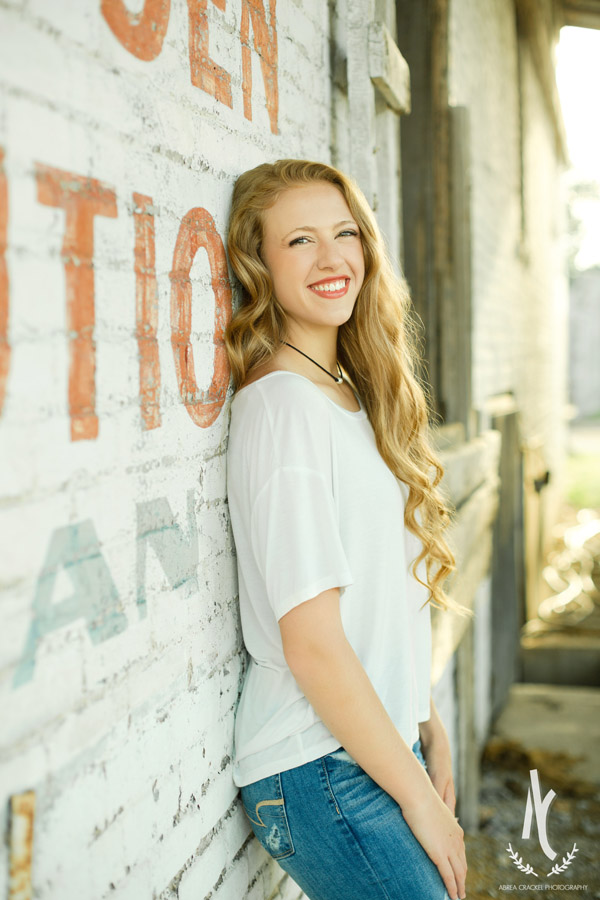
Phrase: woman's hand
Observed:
(435, 747)
(439, 767)
(445, 847)
(437, 830)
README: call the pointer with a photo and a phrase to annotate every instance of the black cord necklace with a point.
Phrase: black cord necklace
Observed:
(337, 380)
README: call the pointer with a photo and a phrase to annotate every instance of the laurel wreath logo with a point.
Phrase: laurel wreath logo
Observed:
(556, 868)
(518, 861)
(567, 860)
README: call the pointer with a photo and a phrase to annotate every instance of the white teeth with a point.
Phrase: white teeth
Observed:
(330, 286)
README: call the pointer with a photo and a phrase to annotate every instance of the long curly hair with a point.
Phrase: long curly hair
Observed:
(376, 347)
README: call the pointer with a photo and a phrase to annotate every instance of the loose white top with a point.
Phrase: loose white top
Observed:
(314, 506)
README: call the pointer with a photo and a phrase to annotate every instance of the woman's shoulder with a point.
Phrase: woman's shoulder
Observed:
(281, 389)
(282, 416)
(259, 372)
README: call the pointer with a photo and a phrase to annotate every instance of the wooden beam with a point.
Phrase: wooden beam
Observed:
(581, 13)
(388, 68)
(540, 29)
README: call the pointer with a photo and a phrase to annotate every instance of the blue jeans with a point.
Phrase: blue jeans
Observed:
(339, 834)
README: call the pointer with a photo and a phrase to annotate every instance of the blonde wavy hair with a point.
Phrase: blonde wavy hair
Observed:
(376, 349)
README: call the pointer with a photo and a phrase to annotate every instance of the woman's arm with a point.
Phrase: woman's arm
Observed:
(334, 681)
(332, 678)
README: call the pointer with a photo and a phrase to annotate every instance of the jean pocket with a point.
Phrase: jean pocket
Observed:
(342, 754)
(264, 806)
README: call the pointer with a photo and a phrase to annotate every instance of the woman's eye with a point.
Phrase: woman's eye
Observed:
(348, 232)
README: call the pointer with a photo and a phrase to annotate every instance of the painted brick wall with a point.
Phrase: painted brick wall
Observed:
(122, 129)
(484, 78)
(520, 290)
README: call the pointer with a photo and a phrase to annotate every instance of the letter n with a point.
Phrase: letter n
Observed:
(176, 549)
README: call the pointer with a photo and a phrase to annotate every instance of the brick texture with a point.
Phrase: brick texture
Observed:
(121, 134)
(520, 293)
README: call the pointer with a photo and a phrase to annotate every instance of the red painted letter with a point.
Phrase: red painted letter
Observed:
(265, 44)
(141, 33)
(146, 311)
(205, 73)
(198, 230)
(4, 345)
(82, 199)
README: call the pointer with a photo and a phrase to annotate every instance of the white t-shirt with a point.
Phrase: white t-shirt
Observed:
(314, 506)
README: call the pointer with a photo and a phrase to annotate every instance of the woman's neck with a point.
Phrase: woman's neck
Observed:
(322, 346)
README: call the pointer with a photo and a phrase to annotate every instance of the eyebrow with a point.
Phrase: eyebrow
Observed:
(311, 228)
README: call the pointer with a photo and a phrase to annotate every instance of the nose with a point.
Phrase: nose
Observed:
(329, 256)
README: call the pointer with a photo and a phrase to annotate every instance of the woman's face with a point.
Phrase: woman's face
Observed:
(313, 251)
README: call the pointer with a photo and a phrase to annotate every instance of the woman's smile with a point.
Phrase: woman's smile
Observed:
(333, 288)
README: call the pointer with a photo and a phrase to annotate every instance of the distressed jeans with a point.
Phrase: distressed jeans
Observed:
(339, 834)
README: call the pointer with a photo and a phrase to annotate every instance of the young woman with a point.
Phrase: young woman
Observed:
(343, 762)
